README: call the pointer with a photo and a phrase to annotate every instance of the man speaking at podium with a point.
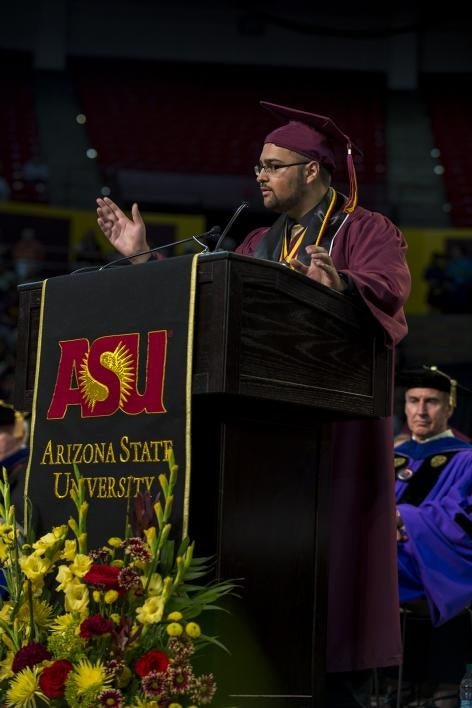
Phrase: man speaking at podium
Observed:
(329, 238)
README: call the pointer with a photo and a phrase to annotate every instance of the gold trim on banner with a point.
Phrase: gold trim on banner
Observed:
(188, 406)
(35, 392)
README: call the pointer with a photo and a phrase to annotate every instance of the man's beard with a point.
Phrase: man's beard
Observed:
(286, 204)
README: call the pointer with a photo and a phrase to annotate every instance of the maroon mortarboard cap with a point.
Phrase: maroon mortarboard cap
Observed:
(315, 137)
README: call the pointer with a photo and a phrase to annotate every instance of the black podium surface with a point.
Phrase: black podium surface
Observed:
(277, 358)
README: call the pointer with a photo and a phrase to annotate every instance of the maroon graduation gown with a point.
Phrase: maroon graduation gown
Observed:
(363, 606)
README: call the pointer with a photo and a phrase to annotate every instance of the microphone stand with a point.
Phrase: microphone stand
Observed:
(212, 234)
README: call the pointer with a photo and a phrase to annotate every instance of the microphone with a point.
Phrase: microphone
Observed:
(212, 234)
(225, 231)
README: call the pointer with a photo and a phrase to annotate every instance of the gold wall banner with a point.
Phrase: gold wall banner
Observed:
(112, 391)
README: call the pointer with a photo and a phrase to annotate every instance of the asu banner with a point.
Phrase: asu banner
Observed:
(112, 391)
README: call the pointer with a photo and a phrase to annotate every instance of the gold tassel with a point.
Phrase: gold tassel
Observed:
(352, 201)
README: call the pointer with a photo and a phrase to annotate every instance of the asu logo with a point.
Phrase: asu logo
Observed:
(102, 377)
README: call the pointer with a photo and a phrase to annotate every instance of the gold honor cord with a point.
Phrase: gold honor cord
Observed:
(35, 393)
(188, 397)
(286, 255)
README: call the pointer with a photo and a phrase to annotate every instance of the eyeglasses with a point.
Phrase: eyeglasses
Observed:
(272, 168)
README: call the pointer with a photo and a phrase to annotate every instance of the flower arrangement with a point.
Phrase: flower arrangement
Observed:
(114, 626)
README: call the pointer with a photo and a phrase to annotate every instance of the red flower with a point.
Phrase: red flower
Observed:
(103, 576)
(95, 625)
(33, 653)
(153, 660)
(53, 678)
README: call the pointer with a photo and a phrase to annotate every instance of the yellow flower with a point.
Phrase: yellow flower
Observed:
(7, 533)
(193, 630)
(175, 705)
(115, 542)
(87, 676)
(5, 611)
(76, 597)
(49, 540)
(110, 596)
(81, 565)
(42, 613)
(7, 537)
(155, 584)
(6, 664)
(151, 611)
(70, 550)
(175, 616)
(24, 687)
(174, 629)
(150, 534)
(63, 622)
(96, 594)
(34, 567)
(64, 576)
(4, 552)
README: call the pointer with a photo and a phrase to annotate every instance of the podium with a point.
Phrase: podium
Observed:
(277, 359)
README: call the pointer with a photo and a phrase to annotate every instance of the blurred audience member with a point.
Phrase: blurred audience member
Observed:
(5, 191)
(87, 251)
(28, 255)
(14, 453)
(459, 280)
(435, 277)
(35, 170)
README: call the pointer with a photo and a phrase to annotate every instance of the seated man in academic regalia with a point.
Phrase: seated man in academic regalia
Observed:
(434, 532)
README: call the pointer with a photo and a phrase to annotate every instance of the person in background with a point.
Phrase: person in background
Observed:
(14, 453)
(435, 277)
(329, 238)
(5, 191)
(434, 532)
(458, 277)
(28, 255)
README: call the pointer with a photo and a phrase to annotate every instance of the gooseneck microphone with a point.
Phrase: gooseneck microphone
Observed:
(212, 234)
(225, 231)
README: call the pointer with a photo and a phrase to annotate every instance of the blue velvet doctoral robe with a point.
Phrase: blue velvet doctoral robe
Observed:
(434, 497)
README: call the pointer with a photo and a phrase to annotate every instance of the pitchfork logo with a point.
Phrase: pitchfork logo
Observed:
(101, 377)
